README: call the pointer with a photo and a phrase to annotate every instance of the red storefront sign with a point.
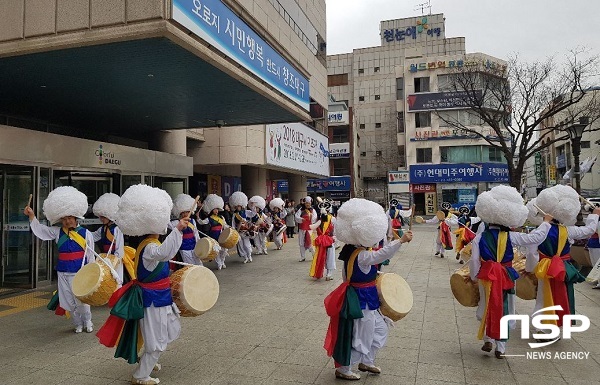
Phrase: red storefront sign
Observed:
(422, 188)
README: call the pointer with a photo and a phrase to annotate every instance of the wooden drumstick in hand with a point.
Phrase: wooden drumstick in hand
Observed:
(412, 214)
(193, 206)
(30, 198)
(539, 209)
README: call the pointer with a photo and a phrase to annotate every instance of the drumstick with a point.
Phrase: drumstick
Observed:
(412, 214)
(193, 206)
(181, 263)
(30, 198)
(539, 209)
(588, 202)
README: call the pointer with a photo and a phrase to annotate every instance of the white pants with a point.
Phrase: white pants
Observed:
(188, 256)
(244, 247)
(221, 257)
(500, 345)
(301, 235)
(260, 240)
(439, 248)
(330, 261)
(81, 314)
(594, 255)
(278, 239)
(160, 326)
(368, 336)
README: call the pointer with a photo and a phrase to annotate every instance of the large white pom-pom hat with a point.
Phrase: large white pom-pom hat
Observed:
(502, 205)
(277, 202)
(257, 201)
(238, 198)
(65, 201)
(212, 201)
(562, 202)
(182, 203)
(361, 222)
(106, 206)
(534, 217)
(144, 210)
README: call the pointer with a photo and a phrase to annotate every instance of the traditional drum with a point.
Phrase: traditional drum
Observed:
(395, 296)
(440, 215)
(463, 288)
(114, 260)
(229, 238)
(94, 284)
(195, 290)
(465, 253)
(526, 285)
(419, 219)
(205, 249)
(278, 227)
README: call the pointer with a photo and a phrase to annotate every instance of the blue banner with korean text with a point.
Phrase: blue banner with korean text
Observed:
(214, 22)
(458, 172)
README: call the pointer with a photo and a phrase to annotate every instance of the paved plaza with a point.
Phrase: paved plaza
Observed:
(268, 328)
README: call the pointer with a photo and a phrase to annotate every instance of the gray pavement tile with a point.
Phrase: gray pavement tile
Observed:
(253, 368)
(397, 368)
(80, 379)
(440, 346)
(42, 376)
(442, 358)
(298, 373)
(523, 365)
(264, 353)
(399, 354)
(528, 379)
(318, 359)
(440, 372)
(11, 372)
(385, 379)
(491, 377)
(426, 381)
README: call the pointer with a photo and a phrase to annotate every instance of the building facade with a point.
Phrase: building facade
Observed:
(102, 95)
(399, 141)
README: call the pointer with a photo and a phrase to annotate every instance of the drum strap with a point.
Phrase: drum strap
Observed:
(138, 253)
(351, 260)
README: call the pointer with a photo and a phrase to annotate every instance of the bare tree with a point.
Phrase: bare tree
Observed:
(526, 105)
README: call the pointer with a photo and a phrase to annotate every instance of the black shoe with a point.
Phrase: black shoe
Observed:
(461, 261)
(499, 355)
(457, 256)
(487, 347)
(438, 253)
(442, 256)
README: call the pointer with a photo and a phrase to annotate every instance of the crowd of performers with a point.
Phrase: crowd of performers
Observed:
(371, 236)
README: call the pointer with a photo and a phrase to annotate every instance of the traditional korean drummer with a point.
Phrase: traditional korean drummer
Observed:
(144, 212)
(75, 247)
(213, 205)
(109, 235)
(500, 209)
(360, 224)
(181, 209)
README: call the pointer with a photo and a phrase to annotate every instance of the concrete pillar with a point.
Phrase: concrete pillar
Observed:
(172, 141)
(297, 187)
(254, 181)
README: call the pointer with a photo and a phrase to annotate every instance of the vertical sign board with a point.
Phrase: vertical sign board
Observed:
(430, 203)
(214, 184)
(398, 182)
(214, 22)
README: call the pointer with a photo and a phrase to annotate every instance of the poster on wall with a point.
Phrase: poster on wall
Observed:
(298, 147)
(214, 184)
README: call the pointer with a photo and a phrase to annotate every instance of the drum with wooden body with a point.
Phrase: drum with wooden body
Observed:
(526, 285)
(205, 249)
(278, 227)
(94, 284)
(195, 290)
(395, 296)
(463, 288)
(440, 215)
(229, 238)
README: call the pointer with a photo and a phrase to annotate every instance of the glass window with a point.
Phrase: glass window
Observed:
(495, 154)
(422, 84)
(340, 134)
(585, 144)
(399, 88)
(361, 126)
(460, 154)
(361, 70)
(129, 180)
(377, 97)
(423, 119)
(361, 98)
(450, 196)
(400, 122)
(424, 155)
(445, 83)
(377, 125)
(376, 69)
(341, 166)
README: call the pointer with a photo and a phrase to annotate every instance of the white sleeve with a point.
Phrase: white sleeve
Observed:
(432, 220)
(89, 251)
(314, 217)
(119, 243)
(172, 225)
(532, 258)
(535, 237)
(43, 232)
(474, 262)
(298, 216)
(582, 232)
(474, 220)
(98, 234)
(452, 220)
(368, 258)
(196, 233)
(164, 252)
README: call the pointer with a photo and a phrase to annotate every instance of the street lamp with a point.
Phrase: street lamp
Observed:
(575, 133)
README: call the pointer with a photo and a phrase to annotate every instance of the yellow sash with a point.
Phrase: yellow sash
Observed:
(141, 247)
(351, 260)
(218, 219)
(74, 235)
(541, 270)
(109, 235)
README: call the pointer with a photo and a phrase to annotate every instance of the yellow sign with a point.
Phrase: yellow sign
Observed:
(552, 175)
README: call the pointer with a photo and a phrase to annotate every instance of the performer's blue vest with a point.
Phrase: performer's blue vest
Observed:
(215, 227)
(366, 295)
(487, 250)
(104, 241)
(70, 253)
(157, 297)
(550, 244)
(594, 242)
(189, 239)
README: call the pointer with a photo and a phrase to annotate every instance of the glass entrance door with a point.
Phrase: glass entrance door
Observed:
(16, 183)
